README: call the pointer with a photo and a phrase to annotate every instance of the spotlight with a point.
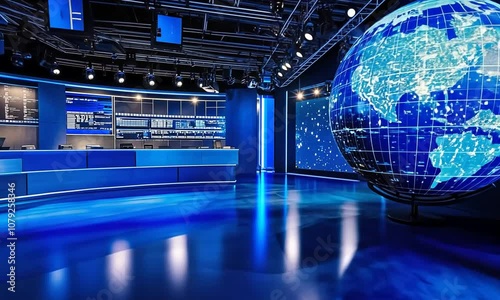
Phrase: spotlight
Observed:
(252, 83)
(55, 69)
(138, 97)
(351, 12)
(309, 31)
(194, 100)
(328, 86)
(316, 92)
(120, 76)
(300, 95)
(299, 53)
(279, 73)
(178, 80)
(17, 59)
(283, 66)
(150, 78)
(287, 64)
(277, 6)
(200, 82)
(89, 72)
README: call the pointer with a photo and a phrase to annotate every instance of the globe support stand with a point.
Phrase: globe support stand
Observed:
(413, 217)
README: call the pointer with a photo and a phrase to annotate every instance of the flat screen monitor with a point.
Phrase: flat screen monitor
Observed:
(18, 105)
(89, 114)
(67, 15)
(167, 31)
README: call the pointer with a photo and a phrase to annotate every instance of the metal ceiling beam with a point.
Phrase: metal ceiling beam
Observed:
(310, 10)
(200, 8)
(343, 32)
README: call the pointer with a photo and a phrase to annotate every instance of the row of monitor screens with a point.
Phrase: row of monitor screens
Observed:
(73, 16)
(93, 114)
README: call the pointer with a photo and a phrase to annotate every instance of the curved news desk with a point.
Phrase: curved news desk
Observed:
(38, 172)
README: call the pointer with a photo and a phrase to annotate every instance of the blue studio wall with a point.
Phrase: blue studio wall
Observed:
(52, 115)
(241, 117)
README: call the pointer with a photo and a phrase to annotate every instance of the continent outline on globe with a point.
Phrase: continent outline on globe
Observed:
(430, 66)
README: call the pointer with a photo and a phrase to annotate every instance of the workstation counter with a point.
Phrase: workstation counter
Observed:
(39, 172)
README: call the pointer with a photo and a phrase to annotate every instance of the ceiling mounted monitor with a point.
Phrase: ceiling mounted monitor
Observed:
(68, 16)
(167, 31)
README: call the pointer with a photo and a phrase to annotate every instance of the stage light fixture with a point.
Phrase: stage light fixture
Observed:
(89, 72)
(287, 64)
(55, 69)
(299, 53)
(283, 66)
(309, 31)
(194, 100)
(328, 86)
(316, 92)
(252, 83)
(300, 95)
(279, 73)
(150, 78)
(178, 80)
(351, 12)
(277, 6)
(200, 82)
(17, 59)
(120, 76)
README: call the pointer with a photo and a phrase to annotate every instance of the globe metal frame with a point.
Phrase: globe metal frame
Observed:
(415, 200)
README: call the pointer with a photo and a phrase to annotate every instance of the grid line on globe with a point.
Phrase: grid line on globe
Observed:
(415, 102)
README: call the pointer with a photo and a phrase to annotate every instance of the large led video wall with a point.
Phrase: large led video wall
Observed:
(18, 105)
(316, 148)
(170, 119)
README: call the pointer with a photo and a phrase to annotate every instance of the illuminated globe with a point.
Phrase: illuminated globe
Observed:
(415, 103)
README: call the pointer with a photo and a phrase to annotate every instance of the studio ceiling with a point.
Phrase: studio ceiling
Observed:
(242, 35)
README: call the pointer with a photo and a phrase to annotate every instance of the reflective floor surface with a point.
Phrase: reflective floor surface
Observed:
(272, 237)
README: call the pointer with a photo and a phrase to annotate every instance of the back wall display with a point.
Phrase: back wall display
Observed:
(171, 119)
(315, 146)
(18, 105)
(89, 114)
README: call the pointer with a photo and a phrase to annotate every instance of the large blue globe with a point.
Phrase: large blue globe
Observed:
(415, 102)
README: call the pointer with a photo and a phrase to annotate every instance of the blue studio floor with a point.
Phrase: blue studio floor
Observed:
(273, 237)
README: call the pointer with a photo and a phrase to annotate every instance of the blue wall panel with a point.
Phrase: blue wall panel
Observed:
(54, 160)
(46, 182)
(112, 158)
(52, 116)
(173, 157)
(48, 160)
(20, 185)
(11, 165)
(242, 127)
(193, 174)
(221, 156)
